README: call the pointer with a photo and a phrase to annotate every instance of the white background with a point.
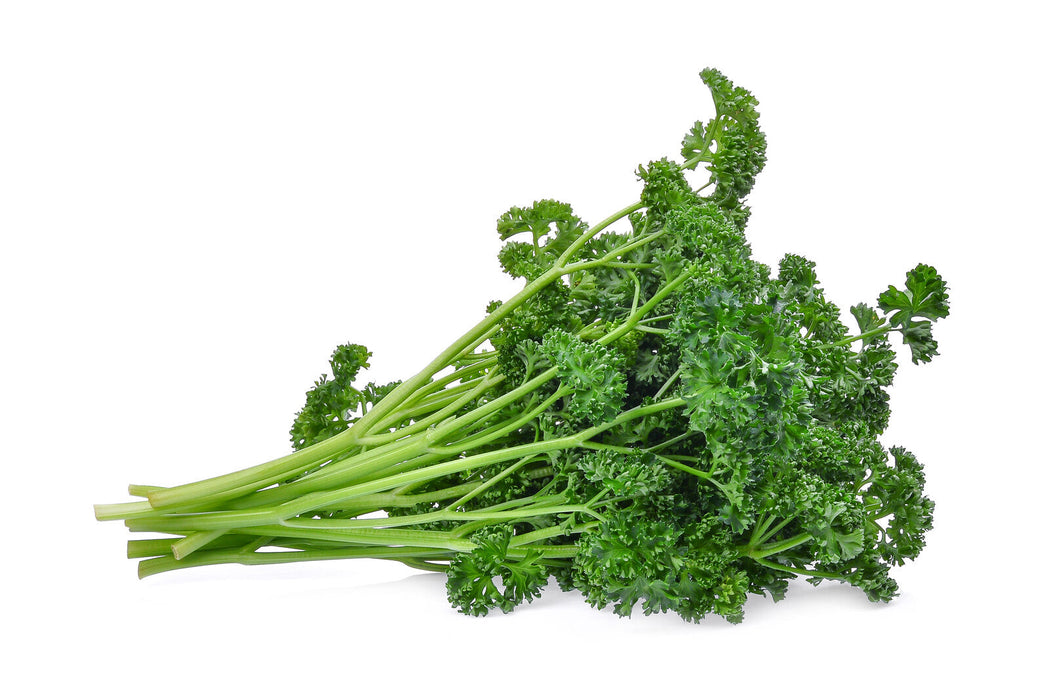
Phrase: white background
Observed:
(199, 200)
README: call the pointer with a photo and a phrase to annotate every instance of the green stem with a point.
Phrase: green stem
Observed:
(670, 442)
(637, 293)
(777, 547)
(760, 530)
(423, 565)
(549, 532)
(388, 538)
(435, 394)
(159, 547)
(706, 476)
(479, 440)
(382, 501)
(670, 382)
(815, 573)
(424, 407)
(191, 543)
(489, 483)
(318, 500)
(442, 432)
(436, 417)
(772, 533)
(150, 567)
(880, 330)
(611, 256)
(636, 317)
(256, 477)
(578, 243)
(378, 468)
(657, 319)
(442, 515)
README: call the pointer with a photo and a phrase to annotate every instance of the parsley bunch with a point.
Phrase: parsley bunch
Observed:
(656, 420)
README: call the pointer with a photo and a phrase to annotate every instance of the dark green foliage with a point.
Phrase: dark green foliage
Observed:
(866, 318)
(897, 492)
(334, 403)
(912, 310)
(841, 454)
(473, 587)
(665, 190)
(708, 238)
(590, 373)
(743, 379)
(547, 244)
(778, 432)
(769, 467)
(631, 475)
(691, 570)
(520, 336)
(820, 318)
(730, 142)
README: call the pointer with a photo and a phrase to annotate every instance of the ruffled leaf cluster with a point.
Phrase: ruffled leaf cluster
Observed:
(333, 404)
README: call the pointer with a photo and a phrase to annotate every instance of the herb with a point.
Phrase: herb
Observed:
(656, 420)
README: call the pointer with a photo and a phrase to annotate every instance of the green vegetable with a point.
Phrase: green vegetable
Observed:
(656, 420)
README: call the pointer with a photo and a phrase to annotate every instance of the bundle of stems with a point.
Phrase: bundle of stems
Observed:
(328, 500)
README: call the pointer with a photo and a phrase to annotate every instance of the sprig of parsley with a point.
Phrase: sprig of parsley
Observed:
(657, 420)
